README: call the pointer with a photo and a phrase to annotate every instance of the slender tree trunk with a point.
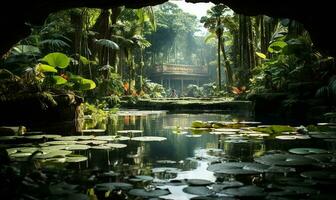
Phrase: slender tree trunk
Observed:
(226, 64)
(219, 63)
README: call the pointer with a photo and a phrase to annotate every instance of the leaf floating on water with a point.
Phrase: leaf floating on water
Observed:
(285, 160)
(113, 186)
(236, 168)
(245, 191)
(111, 138)
(306, 151)
(94, 131)
(198, 190)
(198, 182)
(149, 138)
(130, 131)
(151, 193)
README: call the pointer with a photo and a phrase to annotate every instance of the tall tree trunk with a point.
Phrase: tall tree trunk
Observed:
(219, 33)
(227, 65)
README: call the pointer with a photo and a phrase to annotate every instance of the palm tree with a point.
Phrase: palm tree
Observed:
(215, 21)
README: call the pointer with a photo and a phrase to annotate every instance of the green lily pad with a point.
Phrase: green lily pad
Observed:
(326, 158)
(227, 130)
(8, 138)
(226, 184)
(20, 155)
(94, 131)
(285, 160)
(149, 139)
(22, 150)
(130, 131)
(113, 186)
(198, 182)
(58, 143)
(52, 154)
(245, 191)
(320, 175)
(305, 151)
(151, 193)
(144, 178)
(233, 168)
(111, 138)
(293, 191)
(323, 135)
(37, 137)
(165, 170)
(92, 142)
(74, 138)
(197, 190)
(75, 147)
(72, 159)
(116, 145)
(292, 137)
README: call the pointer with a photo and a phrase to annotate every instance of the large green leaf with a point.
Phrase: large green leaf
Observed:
(59, 80)
(277, 46)
(26, 49)
(107, 43)
(45, 68)
(261, 55)
(81, 83)
(87, 84)
(57, 60)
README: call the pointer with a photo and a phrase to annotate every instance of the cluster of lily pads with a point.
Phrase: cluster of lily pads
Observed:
(57, 148)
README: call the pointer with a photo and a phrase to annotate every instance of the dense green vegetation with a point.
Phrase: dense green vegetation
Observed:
(106, 54)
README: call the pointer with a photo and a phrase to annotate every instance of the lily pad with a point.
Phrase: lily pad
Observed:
(130, 131)
(226, 184)
(151, 193)
(233, 168)
(326, 158)
(75, 147)
(292, 137)
(116, 145)
(91, 142)
(245, 191)
(323, 135)
(285, 160)
(94, 131)
(306, 151)
(197, 190)
(113, 186)
(227, 130)
(320, 175)
(144, 178)
(72, 159)
(22, 150)
(47, 136)
(149, 139)
(165, 169)
(111, 138)
(198, 182)
(59, 143)
(52, 154)
(74, 138)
